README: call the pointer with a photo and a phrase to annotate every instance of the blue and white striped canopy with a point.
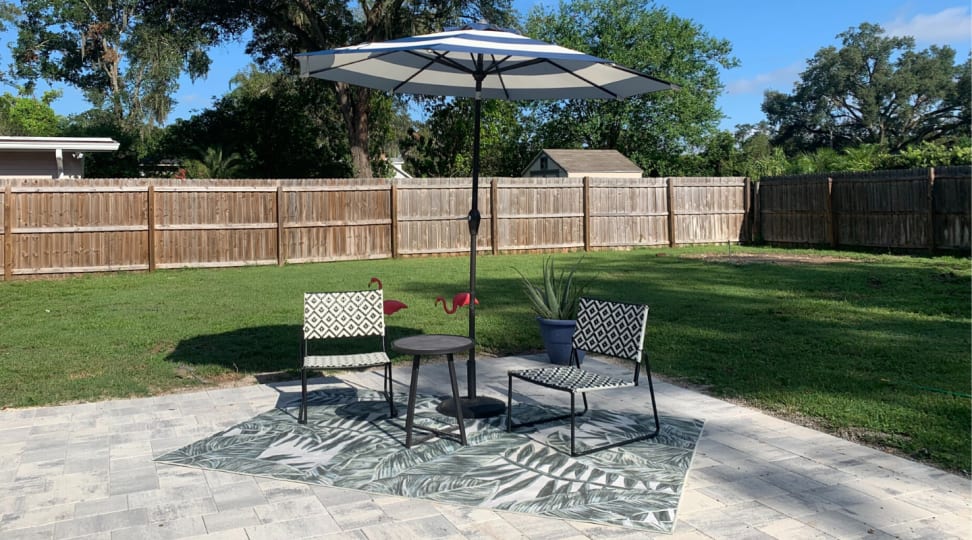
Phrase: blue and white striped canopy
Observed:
(510, 66)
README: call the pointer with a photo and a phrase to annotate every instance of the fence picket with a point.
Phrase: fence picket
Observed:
(54, 227)
(898, 209)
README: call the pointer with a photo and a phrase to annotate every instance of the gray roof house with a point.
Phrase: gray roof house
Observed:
(49, 157)
(581, 163)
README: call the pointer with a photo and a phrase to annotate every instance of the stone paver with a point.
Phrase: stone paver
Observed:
(87, 471)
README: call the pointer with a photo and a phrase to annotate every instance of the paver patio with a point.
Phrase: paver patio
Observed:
(87, 471)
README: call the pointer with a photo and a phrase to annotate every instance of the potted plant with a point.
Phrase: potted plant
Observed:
(555, 300)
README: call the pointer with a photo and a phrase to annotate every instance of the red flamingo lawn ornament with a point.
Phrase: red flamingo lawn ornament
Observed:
(389, 306)
(459, 300)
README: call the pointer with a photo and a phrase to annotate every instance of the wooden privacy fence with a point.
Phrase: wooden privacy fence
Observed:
(67, 226)
(912, 209)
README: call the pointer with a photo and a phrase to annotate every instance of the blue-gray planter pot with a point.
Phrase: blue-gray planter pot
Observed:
(557, 335)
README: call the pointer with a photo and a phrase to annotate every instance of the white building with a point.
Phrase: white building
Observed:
(49, 157)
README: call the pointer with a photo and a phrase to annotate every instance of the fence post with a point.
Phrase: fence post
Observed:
(587, 213)
(671, 212)
(831, 217)
(393, 194)
(931, 210)
(747, 232)
(281, 246)
(150, 208)
(757, 230)
(8, 233)
(494, 216)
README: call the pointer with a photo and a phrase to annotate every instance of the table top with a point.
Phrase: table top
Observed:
(432, 344)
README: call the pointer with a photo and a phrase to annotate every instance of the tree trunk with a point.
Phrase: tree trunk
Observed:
(355, 107)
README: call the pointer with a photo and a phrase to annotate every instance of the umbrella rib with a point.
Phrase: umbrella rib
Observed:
(442, 58)
(417, 72)
(495, 66)
(593, 84)
(342, 66)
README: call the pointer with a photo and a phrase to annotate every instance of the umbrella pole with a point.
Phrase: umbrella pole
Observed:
(472, 405)
(474, 219)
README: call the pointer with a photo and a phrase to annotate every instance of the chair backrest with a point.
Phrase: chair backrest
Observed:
(611, 328)
(343, 314)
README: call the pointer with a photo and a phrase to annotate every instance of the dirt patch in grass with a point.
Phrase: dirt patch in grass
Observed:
(163, 347)
(768, 258)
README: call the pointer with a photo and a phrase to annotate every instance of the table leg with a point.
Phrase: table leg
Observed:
(455, 396)
(410, 416)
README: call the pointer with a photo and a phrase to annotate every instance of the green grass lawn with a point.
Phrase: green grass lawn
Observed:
(876, 349)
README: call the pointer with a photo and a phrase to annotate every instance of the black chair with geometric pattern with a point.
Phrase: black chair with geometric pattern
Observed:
(335, 315)
(614, 329)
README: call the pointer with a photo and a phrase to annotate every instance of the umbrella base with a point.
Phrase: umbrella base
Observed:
(477, 407)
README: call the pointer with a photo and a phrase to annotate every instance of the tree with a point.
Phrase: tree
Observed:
(933, 154)
(30, 117)
(875, 89)
(653, 130)
(281, 28)
(106, 48)
(123, 163)
(442, 146)
(8, 17)
(281, 126)
(213, 163)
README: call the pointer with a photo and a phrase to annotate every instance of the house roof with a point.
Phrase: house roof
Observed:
(593, 161)
(80, 144)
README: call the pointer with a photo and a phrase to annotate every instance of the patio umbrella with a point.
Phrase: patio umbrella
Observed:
(480, 61)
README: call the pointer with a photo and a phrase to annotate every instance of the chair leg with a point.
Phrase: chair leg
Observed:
(302, 413)
(509, 405)
(573, 422)
(653, 434)
(389, 392)
(509, 420)
(654, 406)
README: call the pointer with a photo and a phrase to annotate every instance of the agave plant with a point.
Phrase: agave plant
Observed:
(557, 295)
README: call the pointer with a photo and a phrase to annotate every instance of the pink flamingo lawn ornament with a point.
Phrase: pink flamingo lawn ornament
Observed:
(459, 300)
(389, 306)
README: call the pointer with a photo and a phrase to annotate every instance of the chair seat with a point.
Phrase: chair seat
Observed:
(346, 361)
(569, 378)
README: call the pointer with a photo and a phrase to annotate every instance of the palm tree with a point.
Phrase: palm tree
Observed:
(214, 164)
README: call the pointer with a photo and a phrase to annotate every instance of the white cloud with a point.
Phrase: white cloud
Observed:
(947, 26)
(779, 78)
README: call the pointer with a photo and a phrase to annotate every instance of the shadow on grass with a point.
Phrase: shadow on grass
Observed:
(270, 352)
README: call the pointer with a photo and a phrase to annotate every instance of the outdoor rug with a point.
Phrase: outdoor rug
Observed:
(350, 442)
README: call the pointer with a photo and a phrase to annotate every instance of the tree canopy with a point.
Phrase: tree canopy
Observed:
(277, 123)
(442, 146)
(122, 62)
(653, 130)
(281, 28)
(874, 89)
(29, 117)
(873, 101)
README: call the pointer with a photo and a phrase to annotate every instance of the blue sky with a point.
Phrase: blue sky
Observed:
(771, 38)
